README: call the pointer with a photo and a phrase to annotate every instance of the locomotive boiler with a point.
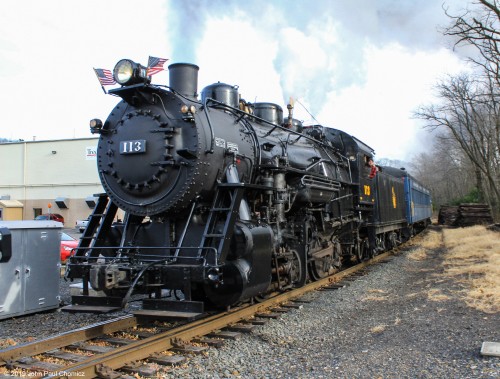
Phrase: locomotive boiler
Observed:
(224, 201)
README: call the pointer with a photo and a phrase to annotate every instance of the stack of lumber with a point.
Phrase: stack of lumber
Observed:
(448, 215)
(473, 214)
(465, 215)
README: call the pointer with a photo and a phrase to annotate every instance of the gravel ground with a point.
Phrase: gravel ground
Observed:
(402, 320)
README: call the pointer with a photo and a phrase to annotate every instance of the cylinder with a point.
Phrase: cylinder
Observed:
(183, 79)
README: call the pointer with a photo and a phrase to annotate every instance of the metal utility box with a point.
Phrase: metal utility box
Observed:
(29, 266)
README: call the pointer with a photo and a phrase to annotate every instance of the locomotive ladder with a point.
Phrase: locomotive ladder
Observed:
(97, 226)
(221, 219)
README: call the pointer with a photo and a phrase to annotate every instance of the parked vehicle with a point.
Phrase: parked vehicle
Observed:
(68, 243)
(82, 224)
(50, 216)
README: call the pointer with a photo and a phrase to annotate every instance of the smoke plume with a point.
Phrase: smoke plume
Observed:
(320, 45)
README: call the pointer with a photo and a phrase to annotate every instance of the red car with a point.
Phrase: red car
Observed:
(68, 243)
(51, 216)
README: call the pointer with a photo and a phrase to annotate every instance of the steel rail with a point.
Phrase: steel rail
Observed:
(67, 338)
(143, 349)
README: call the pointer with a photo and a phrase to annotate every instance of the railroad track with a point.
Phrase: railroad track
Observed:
(132, 346)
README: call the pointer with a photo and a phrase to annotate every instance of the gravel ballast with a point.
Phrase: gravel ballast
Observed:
(404, 319)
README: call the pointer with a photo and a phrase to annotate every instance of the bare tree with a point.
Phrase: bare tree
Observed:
(470, 109)
(480, 29)
(469, 113)
(446, 171)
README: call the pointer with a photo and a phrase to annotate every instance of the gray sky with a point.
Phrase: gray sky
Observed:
(358, 65)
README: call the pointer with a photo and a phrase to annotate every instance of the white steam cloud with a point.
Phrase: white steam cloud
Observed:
(320, 45)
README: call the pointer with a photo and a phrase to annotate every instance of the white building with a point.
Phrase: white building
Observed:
(56, 176)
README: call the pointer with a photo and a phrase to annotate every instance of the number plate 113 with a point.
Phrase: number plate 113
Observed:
(133, 147)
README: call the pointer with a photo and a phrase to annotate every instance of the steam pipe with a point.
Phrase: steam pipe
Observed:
(233, 177)
(290, 114)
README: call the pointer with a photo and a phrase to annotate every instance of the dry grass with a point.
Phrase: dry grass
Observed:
(419, 254)
(436, 295)
(374, 298)
(376, 290)
(433, 239)
(473, 256)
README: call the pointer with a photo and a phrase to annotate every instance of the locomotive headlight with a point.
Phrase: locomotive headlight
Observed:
(123, 72)
(127, 72)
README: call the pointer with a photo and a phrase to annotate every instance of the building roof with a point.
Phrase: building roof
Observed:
(11, 204)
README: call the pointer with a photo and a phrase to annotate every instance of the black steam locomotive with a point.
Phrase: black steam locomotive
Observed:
(227, 201)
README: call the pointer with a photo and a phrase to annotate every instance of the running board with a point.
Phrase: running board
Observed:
(93, 304)
(171, 310)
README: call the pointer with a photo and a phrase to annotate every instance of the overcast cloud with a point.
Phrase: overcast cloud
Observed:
(359, 65)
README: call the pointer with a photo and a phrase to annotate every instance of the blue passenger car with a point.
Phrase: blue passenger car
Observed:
(418, 202)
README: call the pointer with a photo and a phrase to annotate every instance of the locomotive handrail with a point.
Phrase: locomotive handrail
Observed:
(183, 234)
(320, 183)
(124, 234)
(255, 140)
(212, 134)
(104, 258)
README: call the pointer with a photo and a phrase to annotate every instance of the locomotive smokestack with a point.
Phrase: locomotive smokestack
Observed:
(183, 79)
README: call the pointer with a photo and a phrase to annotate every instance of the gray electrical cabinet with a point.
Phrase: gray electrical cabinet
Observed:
(29, 266)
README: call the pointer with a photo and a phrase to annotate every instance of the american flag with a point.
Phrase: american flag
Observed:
(155, 65)
(105, 76)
